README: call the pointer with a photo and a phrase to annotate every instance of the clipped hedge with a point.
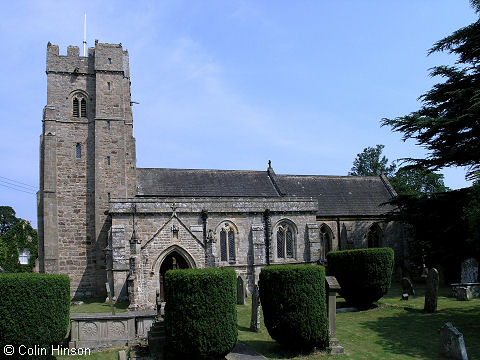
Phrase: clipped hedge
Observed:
(364, 274)
(34, 310)
(200, 312)
(294, 305)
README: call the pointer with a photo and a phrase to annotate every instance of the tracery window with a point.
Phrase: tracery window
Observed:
(325, 239)
(79, 106)
(285, 241)
(227, 243)
(374, 236)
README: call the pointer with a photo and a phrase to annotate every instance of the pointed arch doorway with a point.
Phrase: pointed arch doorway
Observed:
(173, 261)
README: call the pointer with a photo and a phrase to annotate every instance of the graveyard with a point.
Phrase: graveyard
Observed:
(394, 329)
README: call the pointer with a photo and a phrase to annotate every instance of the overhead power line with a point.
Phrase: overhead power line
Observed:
(17, 185)
(11, 187)
(19, 182)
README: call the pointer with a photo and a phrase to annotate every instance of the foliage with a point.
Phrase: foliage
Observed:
(448, 123)
(408, 181)
(440, 233)
(200, 313)
(34, 310)
(7, 219)
(370, 162)
(364, 275)
(21, 236)
(294, 305)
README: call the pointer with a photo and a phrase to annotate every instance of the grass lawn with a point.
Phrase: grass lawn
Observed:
(395, 330)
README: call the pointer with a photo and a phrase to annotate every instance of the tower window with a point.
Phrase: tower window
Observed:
(108, 124)
(108, 85)
(109, 60)
(78, 150)
(108, 196)
(83, 104)
(108, 160)
(75, 107)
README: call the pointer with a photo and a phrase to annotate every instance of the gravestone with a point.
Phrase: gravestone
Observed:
(431, 294)
(332, 287)
(240, 291)
(407, 286)
(464, 293)
(255, 321)
(469, 271)
(453, 345)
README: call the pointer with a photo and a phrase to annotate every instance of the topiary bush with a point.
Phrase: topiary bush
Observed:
(364, 274)
(200, 312)
(294, 305)
(34, 311)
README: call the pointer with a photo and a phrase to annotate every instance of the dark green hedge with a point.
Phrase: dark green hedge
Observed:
(20, 236)
(294, 306)
(200, 312)
(34, 310)
(364, 275)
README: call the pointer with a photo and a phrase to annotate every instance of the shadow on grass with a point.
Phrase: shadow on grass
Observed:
(413, 332)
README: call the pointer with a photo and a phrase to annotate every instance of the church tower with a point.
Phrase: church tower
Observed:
(87, 157)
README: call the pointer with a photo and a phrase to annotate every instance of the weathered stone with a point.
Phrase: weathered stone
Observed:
(240, 291)
(255, 320)
(407, 286)
(469, 271)
(332, 286)
(464, 293)
(452, 342)
(431, 294)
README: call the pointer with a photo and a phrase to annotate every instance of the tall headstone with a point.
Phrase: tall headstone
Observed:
(431, 294)
(469, 271)
(453, 345)
(240, 291)
(255, 321)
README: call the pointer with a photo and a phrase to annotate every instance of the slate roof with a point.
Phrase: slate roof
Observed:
(218, 183)
(340, 195)
(337, 195)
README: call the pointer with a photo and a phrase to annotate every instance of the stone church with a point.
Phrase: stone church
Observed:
(104, 221)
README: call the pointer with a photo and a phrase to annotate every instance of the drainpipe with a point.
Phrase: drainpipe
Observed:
(266, 219)
(338, 234)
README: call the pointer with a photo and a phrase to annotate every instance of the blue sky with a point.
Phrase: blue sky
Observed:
(232, 84)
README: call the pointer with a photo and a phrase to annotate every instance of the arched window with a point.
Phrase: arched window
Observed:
(227, 243)
(75, 107)
(374, 236)
(83, 108)
(326, 237)
(285, 241)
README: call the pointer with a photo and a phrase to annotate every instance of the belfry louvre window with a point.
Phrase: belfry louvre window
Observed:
(285, 241)
(78, 150)
(227, 244)
(75, 107)
(83, 105)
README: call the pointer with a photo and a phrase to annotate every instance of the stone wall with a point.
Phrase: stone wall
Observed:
(76, 184)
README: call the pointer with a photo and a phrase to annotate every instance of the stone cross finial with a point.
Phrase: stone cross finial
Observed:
(269, 163)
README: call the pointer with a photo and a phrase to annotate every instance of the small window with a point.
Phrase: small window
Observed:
(108, 196)
(108, 160)
(109, 60)
(108, 85)
(285, 242)
(227, 243)
(24, 257)
(108, 124)
(78, 150)
(75, 107)
(83, 104)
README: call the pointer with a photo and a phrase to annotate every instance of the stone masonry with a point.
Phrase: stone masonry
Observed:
(103, 220)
